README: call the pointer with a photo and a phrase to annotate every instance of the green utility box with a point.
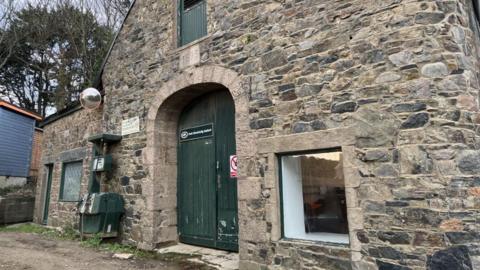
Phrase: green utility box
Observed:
(101, 213)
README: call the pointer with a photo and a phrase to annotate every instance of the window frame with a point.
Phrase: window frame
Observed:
(279, 157)
(476, 9)
(46, 195)
(270, 147)
(62, 181)
(179, 15)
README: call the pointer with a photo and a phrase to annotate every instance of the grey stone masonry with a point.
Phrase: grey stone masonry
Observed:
(66, 140)
(394, 83)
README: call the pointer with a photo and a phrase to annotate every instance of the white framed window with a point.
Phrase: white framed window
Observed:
(313, 197)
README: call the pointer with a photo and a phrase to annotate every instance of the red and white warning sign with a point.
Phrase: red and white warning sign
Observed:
(233, 166)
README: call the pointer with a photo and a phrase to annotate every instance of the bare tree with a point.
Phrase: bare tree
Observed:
(110, 13)
(113, 11)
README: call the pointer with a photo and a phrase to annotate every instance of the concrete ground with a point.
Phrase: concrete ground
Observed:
(25, 251)
(218, 259)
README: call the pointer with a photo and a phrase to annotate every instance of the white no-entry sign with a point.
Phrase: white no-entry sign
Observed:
(233, 166)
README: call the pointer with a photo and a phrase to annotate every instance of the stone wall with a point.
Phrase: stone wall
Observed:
(394, 83)
(17, 199)
(65, 140)
(36, 154)
(16, 209)
(12, 181)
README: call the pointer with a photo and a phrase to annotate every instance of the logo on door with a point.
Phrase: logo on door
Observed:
(195, 133)
(184, 135)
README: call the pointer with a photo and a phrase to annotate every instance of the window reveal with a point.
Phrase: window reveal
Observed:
(474, 16)
(476, 8)
(314, 204)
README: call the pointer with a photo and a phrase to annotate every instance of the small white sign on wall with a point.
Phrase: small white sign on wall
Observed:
(130, 126)
(189, 56)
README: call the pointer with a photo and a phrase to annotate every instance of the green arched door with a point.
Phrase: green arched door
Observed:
(207, 195)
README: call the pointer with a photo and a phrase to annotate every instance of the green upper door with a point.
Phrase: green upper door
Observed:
(207, 195)
(192, 20)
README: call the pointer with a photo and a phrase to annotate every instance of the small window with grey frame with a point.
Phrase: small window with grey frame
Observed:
(71, 181)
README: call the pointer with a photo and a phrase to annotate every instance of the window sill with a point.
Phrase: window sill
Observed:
(62, 201)
(292, 241)
(191, 44)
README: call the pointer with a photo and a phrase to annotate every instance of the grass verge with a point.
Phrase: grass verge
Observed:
(65, 234)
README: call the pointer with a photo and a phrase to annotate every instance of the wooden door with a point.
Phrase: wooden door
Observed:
(192, 20)
(207, 195)
(48, 187)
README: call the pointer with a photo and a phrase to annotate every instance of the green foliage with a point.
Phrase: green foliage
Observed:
(119, 248)
(97, 242)
(93, 241)
(248, 38)
(58, 51)
(69, 233)
(8, 190)
(175, 258)
(26, 228)
(65, 234)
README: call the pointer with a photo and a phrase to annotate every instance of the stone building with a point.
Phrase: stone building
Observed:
(355, 124)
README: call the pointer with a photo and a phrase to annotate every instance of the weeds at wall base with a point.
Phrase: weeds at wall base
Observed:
(95, 242)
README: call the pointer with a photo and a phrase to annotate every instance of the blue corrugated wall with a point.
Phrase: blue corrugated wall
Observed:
(16, 135)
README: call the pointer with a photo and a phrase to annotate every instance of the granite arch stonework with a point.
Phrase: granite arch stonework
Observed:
(160, 152)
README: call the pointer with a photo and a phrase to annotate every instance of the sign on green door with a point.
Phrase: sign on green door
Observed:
(195, 133)
(207, 195)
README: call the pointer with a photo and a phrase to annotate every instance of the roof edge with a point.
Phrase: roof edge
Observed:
(59, 115)
(20, 110)
(98, 80)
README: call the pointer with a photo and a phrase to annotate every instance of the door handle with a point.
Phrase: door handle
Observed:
(219, 182)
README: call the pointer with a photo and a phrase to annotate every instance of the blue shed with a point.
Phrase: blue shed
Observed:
(16, 135)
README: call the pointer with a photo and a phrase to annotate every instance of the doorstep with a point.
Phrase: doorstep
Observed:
(218, 259)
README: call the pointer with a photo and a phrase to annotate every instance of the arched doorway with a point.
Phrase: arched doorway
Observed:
(159, 224)
(206, 194)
